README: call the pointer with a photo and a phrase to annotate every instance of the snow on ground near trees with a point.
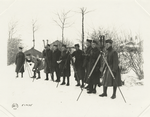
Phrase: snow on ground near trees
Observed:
(45, 100)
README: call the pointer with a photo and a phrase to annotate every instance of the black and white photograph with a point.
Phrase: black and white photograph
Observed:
(74, 58)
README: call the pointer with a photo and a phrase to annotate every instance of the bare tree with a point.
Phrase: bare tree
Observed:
(12, 29)
(12, 43)
(34, 29)
(83, 12)
(62, 22)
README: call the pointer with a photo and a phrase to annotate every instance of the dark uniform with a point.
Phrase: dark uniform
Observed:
(79, 75)
(113, 62)
(86, 61)
(65, 66)
(55, 66)
(20, 60)
(47, 54)
(94, 79)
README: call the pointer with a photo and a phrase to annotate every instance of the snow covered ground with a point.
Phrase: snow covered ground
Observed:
(42, 99)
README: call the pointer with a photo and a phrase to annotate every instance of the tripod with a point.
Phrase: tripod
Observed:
(101, 55)
(28, 69)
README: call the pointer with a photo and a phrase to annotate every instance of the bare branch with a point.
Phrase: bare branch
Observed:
(63, 24)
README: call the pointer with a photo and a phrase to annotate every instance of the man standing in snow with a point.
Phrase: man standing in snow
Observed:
(86, 59)
(55, 66)
(47, 55)
(64, 65)
(78, 54)
(20, 60)
(113, 62)
(94, 79)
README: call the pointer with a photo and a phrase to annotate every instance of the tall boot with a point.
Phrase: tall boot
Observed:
(52, 76)
(78, 83)
(82, 86)
(39, 75)
(94, 88)
(57, 75)
(68, 83)
(90, 88)
(114, 92)
(21, 74)
(17, 75)
(63, 81)
(104, 92)
(34, 75)
(46, 76)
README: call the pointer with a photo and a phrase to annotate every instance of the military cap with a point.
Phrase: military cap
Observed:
(64, 45)
(94, 41)
(88, 40)
(109, 41)
(55, 45)
(77, 45)
(21, 48)
(28, 54)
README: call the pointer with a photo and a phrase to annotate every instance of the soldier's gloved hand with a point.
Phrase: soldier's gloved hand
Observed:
(101, 52)
(59, 61)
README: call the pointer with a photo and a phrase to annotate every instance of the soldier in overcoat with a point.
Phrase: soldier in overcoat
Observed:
(64, 65)
(19, 62)
(79, 75)
(86, 60)
(47, 55)
(55, 66)
(94, 79)
(113, 62)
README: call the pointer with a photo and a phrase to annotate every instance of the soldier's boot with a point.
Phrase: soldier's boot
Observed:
(34, 75)
(39, 75)
(58, 79)
(78, 83)
(68, 82)
(90, 89)
(52, 76)
(104, 94)
(17, 75)
(21, 74)
(94, 88)
(46, 76)
(63, 83)
(82, 86)
(114, 93)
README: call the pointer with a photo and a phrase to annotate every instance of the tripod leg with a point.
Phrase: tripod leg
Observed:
(90, 74)
(27, 69)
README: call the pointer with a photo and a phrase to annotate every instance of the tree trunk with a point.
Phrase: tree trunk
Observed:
(33, 38)
(82, 30)
(62, 34)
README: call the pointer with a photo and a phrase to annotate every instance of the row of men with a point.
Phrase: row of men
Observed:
(59, 62)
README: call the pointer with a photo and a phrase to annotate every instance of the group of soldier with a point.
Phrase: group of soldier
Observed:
(83, 62)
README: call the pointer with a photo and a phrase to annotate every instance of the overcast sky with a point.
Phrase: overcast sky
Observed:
(126, 15)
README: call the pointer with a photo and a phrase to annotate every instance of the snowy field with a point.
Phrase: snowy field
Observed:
(42, 99)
